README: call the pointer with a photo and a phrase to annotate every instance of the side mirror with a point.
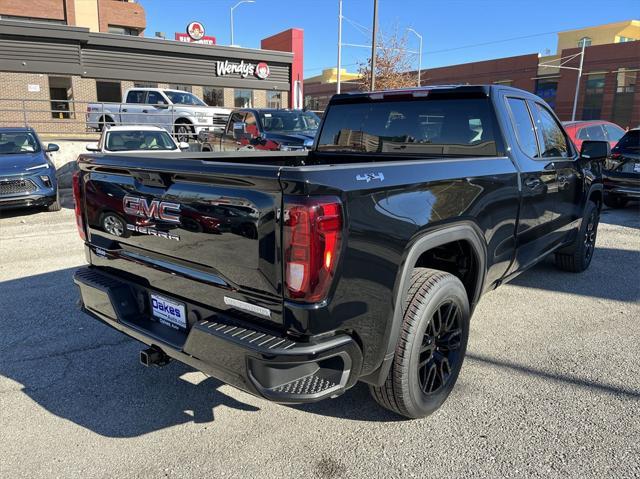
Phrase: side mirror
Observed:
(52, 147)
(183, 145)
(92, 147)
(595, 150)
(162, 106)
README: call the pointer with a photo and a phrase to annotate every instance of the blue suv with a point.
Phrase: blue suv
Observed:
(27, 175)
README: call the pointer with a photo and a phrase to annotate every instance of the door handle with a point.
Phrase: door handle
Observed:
(532, 183)
(145, 111)
(124, 110)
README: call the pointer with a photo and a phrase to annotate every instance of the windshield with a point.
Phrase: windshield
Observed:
(184, 98)
(289, 121)
(15, 142)
(630, 141)
(444, 126)
(139, 140)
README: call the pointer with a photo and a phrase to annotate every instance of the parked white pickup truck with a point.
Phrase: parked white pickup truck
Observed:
(178, 112)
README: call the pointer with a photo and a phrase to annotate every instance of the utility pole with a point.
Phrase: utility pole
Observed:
(339, 45)
(373, 45)
(575, 98)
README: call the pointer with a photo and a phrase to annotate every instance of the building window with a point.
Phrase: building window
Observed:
(145, 84)
(624, 97)
(242, 98)
(108, 91)
(213, 96)
(625, 39)
(504, 82)
(274, 99)
(118, 30)
(547, 89)
(32, 19)
(61, 95)
(188, 88)
(593, 93)
(586, 41)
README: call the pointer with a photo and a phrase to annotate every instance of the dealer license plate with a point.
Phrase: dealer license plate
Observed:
(168, 312)
(636, 167)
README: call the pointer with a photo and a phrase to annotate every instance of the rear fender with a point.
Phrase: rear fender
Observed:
(462, 230)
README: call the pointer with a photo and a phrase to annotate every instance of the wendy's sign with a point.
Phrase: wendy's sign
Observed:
(224, 68)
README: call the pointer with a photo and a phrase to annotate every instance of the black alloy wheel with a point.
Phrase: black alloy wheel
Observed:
(440, 349)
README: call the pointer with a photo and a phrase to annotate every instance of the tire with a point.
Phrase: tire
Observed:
(614, 201)
(114, 225)
(577, 257)
(55, 206)
(184, 131)
(436, 302)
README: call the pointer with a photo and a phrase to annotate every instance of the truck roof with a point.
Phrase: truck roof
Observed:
(424, 90)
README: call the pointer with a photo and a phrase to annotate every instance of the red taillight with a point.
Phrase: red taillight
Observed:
(77, 203)
(312, 239)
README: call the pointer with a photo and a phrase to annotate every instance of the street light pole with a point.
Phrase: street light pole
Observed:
(339, 45)
(231, 15)
(575, 98)
(419, 54)
(373, 45)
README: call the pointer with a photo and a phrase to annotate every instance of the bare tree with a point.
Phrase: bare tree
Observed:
(392, 64)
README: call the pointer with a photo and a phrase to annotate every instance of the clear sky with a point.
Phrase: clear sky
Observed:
(454, 31)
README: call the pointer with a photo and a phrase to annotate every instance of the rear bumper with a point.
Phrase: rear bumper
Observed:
(623, 187)
(272, 366)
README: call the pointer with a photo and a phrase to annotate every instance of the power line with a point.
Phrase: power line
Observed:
(463, 47)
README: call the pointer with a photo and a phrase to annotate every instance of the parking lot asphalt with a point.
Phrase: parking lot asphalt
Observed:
(550, 386)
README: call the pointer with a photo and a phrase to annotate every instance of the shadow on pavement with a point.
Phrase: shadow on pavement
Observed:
(601, 280)
(82, 371)
(628, 216)
(562, 378)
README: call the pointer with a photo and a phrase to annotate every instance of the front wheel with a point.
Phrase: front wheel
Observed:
(577, 257)
(431, 347)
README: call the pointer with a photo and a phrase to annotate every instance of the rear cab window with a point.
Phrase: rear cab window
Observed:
(438, 126)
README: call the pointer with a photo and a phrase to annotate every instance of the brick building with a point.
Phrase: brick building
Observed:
(51, 72)
(124, 17)
(608, 87)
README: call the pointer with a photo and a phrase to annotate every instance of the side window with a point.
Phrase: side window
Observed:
(155, 98)
(136, 96)
(553, 142)
(521, 120)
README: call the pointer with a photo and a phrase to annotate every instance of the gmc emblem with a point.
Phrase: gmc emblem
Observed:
(158, 210)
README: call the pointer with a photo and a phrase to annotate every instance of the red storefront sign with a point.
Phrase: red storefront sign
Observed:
(205, 40)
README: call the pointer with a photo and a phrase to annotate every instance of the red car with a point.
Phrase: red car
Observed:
(593, 130)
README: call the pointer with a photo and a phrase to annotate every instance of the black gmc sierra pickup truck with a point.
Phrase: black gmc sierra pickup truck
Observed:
(294, 275)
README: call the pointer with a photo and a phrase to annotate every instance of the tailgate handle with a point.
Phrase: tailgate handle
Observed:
(157, 180)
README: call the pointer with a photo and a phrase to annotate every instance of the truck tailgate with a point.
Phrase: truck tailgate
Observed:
(202, 231)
